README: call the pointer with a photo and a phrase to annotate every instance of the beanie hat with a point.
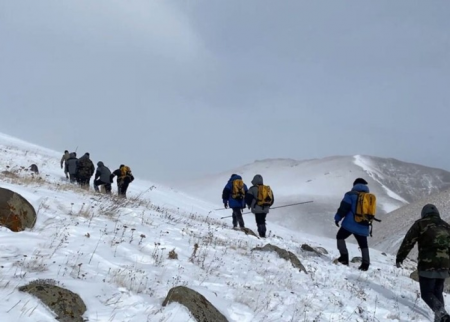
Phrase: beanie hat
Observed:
(428, 210)
(360, 181)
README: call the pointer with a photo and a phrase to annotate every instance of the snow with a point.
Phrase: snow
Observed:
(374, 174)
(114, 254)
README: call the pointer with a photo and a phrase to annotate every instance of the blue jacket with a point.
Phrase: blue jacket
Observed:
(347, 209)
(226, 194)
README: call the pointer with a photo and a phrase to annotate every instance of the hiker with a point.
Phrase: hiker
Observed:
(259, 199)
(350, 226)
(124, 178)
(71, 167)
(64, 158)
(433, 237)
(34, 168)
(233, 196)
(102, 178)
(85, 170)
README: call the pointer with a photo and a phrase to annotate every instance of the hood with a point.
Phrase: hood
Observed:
(234, 177)
(100, 164)
(257, 179)
(360, 188)
(429, 210)
(73, 155)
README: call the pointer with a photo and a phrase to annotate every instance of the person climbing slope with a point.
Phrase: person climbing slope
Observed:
(233, 196)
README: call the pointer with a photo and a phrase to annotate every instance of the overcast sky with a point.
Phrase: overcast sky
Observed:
(180, 89)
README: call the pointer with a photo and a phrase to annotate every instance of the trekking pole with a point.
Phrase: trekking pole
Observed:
(290, 205)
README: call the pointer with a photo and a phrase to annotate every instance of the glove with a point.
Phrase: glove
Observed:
(398, 264)
(336, 223)
(225, 205)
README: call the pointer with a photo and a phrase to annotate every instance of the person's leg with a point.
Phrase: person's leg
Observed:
(108, 188)
(234, 215)
(428, 288)
(239, 218)
(363, 244)
(124, 188)
(261, 223)
(97, 183)
(341, 236)
(438, 293)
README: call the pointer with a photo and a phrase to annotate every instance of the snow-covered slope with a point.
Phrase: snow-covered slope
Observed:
(325, 181)
(114, 254)
(395, 225)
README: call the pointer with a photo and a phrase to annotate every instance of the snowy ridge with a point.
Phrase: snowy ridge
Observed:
(377, 176)
(114, 254)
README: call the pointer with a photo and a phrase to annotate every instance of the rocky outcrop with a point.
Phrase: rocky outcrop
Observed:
(285, 254)
(316, 250)
(16, 213)
(68, 306)
(201, 309)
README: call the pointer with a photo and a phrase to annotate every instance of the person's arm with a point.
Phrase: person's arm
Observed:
(344, 208)
(226, 194)
(249, 197)
(408, 242)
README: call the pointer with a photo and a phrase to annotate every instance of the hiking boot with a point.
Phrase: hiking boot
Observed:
(235, 228)
(343, 259)
(364, 267)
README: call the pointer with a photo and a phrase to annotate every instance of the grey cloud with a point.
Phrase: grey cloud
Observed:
(182, 89)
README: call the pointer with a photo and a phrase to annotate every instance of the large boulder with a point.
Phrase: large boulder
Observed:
(285, 254)
(415, 276)
(200, 308)
(16, 213)
(68, 306)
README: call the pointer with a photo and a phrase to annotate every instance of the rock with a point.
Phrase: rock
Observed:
(16, 213)
(248, 231)
(317, 250)
(196, 303)
(322, 250)
(356, 259)
(286, 255)
(415, 276)
(9, 174)
(68, 306)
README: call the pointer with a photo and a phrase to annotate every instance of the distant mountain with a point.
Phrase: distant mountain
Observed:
(325, 181)
(392, 230)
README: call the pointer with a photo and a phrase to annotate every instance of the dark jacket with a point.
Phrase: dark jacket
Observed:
(227, 197)
(433, 237)
(71, 164)
(251, 198)
(347, 210)
(103, 173)
(127, 179)
(85, 167)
